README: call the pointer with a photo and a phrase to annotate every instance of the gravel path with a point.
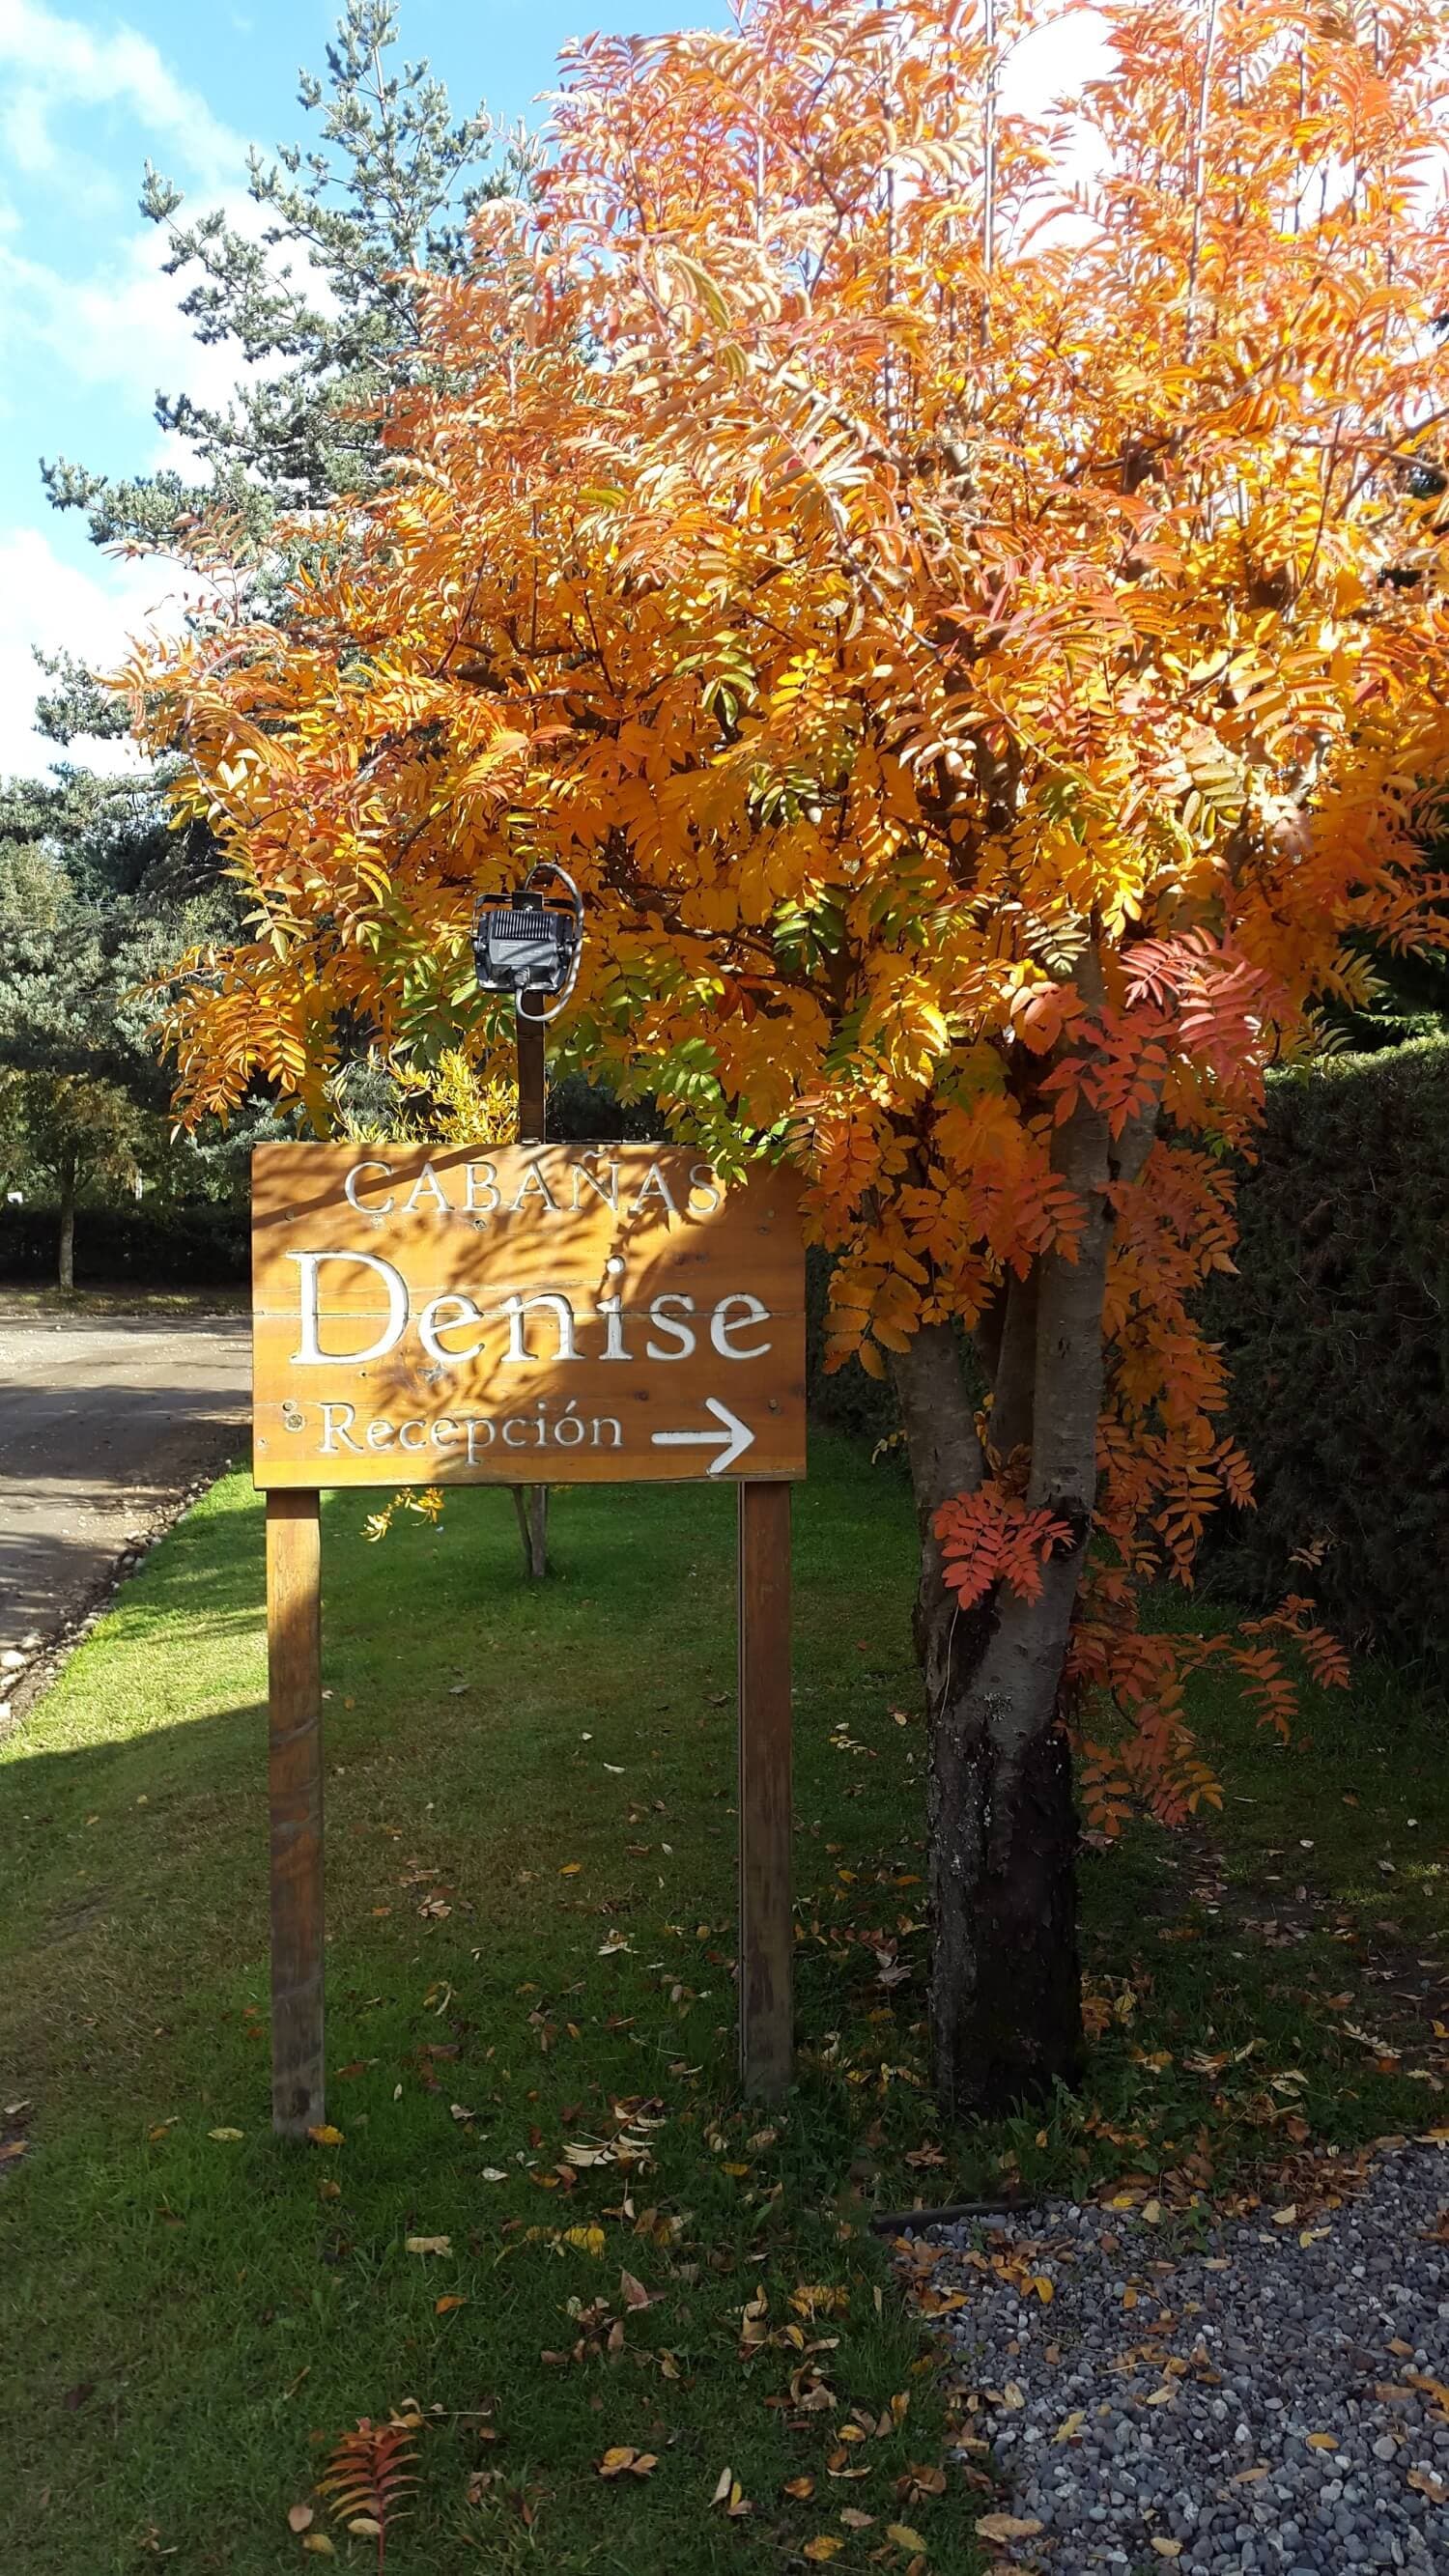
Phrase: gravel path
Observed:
(1270, 2402)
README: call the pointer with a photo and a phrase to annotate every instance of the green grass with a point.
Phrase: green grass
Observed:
(519, 1779)
(18, 1301)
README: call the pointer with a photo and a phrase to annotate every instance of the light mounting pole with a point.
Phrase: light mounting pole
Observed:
(528, 944)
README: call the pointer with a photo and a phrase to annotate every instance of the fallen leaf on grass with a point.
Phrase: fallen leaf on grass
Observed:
(225, 2137)
(16, 2148)
(319, 2545)
(904, 2537)
(300, 2516)
(825, 2546)
(635, 2294)
(1007, 2526)
(729, 2492)
(801, 2488)
(811, 2301)
(588, 2240)
(429, 2244)
(493, 2173)
(326, 2135)
(621, 2461)
(855, 2520)
(444, 2307)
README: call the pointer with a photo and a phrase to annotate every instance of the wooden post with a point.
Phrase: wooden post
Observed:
(530, 1075)
(766, 1934)
(531, 1501)
(294, 1666)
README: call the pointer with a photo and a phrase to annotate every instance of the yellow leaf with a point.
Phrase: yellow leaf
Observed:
(587, 2240)
(319, 2545)
(802, 2488)
(326, 2136)
(224, 2137)
(1043, 2288)
(364, 2526)
(429, 2244)
(1168, 2548)
(1323, 2441)
(903, 2536)
(825, 2546)
(444, 2307)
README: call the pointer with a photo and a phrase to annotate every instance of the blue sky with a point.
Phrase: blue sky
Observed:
(88, 328)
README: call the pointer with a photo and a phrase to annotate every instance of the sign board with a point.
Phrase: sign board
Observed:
(528, 1314)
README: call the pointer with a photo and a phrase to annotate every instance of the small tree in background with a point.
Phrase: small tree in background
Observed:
(964, 595)
(69, 1135)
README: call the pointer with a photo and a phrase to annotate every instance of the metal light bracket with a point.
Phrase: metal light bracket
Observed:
(530, 941)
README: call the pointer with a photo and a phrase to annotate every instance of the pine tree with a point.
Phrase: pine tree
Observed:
(324, 299)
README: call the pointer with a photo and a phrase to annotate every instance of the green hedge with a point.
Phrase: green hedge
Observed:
(1337, 1333)
(191, 1247)
(847, 1399)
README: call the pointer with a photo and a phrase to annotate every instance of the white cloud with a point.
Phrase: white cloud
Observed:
(119, 326)
(48, 602)
(58, 62)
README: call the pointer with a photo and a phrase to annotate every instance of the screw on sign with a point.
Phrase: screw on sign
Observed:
(571, 1314)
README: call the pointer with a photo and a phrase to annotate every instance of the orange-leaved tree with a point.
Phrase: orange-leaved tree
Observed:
(962, 592)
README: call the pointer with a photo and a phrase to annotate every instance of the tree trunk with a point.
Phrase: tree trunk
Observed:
(1005, 2004)
(67, 1224)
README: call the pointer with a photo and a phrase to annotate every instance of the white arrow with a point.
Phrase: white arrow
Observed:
(736, 1435)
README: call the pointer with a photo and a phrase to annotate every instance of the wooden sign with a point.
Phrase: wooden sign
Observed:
(550, 1314)
(541, 1315)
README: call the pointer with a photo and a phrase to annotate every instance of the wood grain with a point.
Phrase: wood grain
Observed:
(766, 1930)
(294, 1668)
(494, 1397)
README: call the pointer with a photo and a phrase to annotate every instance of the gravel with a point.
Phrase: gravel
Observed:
(1234, 2396)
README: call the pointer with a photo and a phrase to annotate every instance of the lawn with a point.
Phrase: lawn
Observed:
(531, 1841)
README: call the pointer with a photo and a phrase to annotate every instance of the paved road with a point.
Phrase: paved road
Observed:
(103, 1421)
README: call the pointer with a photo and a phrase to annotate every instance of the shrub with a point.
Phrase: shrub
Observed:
(1337, 1331)
(197, 1246)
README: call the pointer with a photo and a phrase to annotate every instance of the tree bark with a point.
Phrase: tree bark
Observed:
(1005, 2004)
(66, 1264)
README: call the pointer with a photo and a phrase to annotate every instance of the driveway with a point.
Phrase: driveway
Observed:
(104, 1422)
